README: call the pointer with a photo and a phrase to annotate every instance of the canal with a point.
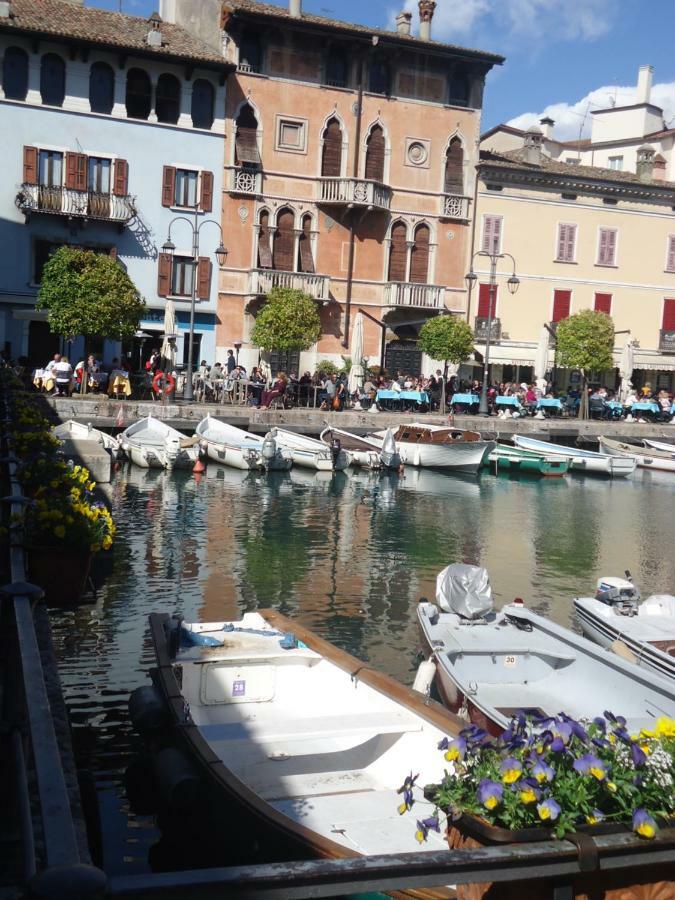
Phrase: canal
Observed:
(348, 556)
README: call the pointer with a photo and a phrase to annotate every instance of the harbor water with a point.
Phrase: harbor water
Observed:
(348, 556)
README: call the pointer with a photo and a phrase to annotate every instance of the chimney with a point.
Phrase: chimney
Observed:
(532, 147)
(659, 168)
(295, 8)
(427, 8)
(645, 163)
(403, 21)
(167, 10)
(547, 128)
(5, 9)
(644, 85)
(154, 36)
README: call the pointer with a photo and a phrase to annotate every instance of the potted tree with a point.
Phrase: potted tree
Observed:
(585, 342)
(447, 339)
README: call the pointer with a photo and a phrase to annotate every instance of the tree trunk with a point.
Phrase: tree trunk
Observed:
(583, 406)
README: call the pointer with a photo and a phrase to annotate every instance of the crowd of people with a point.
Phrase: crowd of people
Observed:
(68, 379)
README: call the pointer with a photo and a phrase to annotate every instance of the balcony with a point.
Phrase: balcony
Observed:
(667, 342)
(354, 192)
(60, 201)
(245, 181)
(454, 206)
(418, 296)
(315, 286)
(480, 330)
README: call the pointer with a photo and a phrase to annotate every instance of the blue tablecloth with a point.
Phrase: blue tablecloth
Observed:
(613, 405)
(508, 401)
(549, 403)
(466, 399)
(416, 396)
(646, 407)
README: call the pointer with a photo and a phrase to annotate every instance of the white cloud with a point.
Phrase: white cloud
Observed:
(573, 119)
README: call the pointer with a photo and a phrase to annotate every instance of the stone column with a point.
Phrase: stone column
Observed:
(119, 109)
(154, 78)
(185, 117)
(219, 110)
(77, 86)
(33, 95)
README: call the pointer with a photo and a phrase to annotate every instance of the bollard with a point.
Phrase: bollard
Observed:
(76, 882)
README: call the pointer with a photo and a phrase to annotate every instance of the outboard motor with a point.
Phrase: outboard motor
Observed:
(269, 447)
(173, 448)
(335, 449)
(618, 592)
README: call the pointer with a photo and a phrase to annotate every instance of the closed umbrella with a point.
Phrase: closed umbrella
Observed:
(626, 368)
(356, 373)
(168, 351)
(541, 358)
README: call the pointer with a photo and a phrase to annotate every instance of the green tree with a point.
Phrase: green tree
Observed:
(447, 339)
(585, 342)
(288, 321)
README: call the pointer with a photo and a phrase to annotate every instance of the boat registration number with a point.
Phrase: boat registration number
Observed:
(510, 662)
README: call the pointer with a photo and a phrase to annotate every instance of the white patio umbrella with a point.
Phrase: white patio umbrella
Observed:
(541, 358)
(356, 373)
(168, 352)
(626, 367)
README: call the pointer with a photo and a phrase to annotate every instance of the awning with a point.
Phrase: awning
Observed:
(503, 355)
(655, 362)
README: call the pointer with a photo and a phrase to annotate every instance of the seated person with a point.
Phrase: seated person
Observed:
(62, 373)
(277, 390)
(531, 397)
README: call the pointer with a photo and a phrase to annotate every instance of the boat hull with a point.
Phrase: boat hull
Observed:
(460, 457)
(145, 457)
(236, 457)
(663, 462)
(586, 461)
(543, 467)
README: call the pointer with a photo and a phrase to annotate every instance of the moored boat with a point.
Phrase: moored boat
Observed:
(643, 631)
(240, 449)
(312, 453)
(644, 457)
(439, 447)
(515, 459)
(152, 444)
(364, 451)
(78, 431)
(491, 664)
(587, 461)
(660, 445)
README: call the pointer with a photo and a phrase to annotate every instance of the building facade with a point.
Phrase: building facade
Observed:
(112, 126)
(348, 173)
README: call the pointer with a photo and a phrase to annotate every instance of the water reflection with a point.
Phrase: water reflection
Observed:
(349, 556)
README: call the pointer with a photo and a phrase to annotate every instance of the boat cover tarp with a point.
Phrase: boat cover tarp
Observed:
(465, 591)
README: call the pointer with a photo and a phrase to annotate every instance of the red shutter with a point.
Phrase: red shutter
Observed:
(168, 186)
(375, 155)
(30, 165)
(668, 315)
(484, 301)
(419, 261)
(331, 160)
(121, 182)
(204, 278)
(561, 305)
(164, 275)
(454, 168)
(398, 253)
(206, 199)
(670, 263)
(284, 242)
(76, 171)
(603, 303)
(492, 233)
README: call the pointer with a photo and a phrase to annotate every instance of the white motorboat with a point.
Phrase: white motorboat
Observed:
(641, 631)
(78, 431)
(365, 451)
(312, 453)
(235, 447)
(587, 461)
(646, 458)
(152, 444)
(490, 665)
(439, 447)
(300, 740)
(661, 446)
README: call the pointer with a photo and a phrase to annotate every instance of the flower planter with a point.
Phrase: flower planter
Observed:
(61, 572)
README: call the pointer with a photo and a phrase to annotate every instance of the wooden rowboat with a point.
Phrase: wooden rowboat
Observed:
(78, 431)
(646, 458)
(527, 462)
(152, 444)
(438, 447)
(587, 461)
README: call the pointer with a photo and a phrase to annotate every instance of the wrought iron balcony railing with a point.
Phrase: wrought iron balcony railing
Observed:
(316, 286)
(354, 192)
(421, 296)
(60, 201)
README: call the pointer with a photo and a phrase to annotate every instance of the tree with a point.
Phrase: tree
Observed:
(288, 321)
(585, 342)
(447, 339)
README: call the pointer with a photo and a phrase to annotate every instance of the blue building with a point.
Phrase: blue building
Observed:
(112, 126)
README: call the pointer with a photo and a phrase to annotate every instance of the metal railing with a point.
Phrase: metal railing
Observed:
(422, 296)
(60, 201)
(454, 206)
(354, 192)
(316, 286)
(245, 181)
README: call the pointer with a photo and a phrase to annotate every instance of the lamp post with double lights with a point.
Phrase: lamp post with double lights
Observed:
(221, 257)
(513, 283)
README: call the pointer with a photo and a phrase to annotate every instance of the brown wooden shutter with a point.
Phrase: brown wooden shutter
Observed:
(76, 171)
(331, 161)
(419, 262)
(121, 182)
(668, 323)
(398, 253)
(164, 275)
(246, 145)
(306, 258)
(484, 301)
(264, 248)
(454, 168)
(670, 264)
(375, 155)
(561, 305)
(603, 303)
(204, 278)
(284, 241)
(30, 165)
(206, 199)
(168, 186)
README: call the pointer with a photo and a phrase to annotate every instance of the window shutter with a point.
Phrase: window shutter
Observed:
(284, 241)
(611, 248)
(561, 305)
(121, 182)
(30, 165)
(206, 199)
(607, 252)
(571, 241)
(331, 161)
(484, 301)
(375, 155)
(668, 315)
(168, 186)
(419, 262)
(398, 253)
(204, 278)
(566, 240)
(164, 275)
(492, 233)
(670, 264)
(264, 248)
(603, 303)
(76, 171)
(306, 259)
(246, 146)
(454, 168)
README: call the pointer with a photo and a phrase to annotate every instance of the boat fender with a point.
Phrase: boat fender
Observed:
(195, 639)
(623, 651)
(180, 787)
(425, 677)
(147, 710)
(269, 447)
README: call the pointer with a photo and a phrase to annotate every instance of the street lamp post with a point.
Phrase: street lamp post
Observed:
(513, 283)
(221, 257)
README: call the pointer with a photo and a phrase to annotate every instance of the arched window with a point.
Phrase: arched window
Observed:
(250, 52)
(203, 97)
(454, 168)
(246, 142)
(459, 88)
(139, 94)
(419, 256)
(101, 88)
(15, 73)
(284, 241)
(167, 104)
(375, 155)
(331, 157)
(379, 77)
(337, 67)
(305, 255)
(52, 80)
(264, 244)
(398, 252)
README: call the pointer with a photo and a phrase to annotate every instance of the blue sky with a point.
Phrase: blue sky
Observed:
(571, 53)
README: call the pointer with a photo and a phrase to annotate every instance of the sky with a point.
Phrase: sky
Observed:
(563, 57)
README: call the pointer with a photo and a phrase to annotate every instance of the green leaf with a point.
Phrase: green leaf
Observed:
(288, 321)
(585, 341)
(447, 339)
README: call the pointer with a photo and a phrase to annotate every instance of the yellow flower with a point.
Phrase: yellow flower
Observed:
(591, 820)
(60, 531)
(665, 727)
(106, 543)
(511, 776)
(403, 808)
(597, 773)
(491, 802)
(419, 836)
(95, 548)
(611, 787)
(528, 795)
